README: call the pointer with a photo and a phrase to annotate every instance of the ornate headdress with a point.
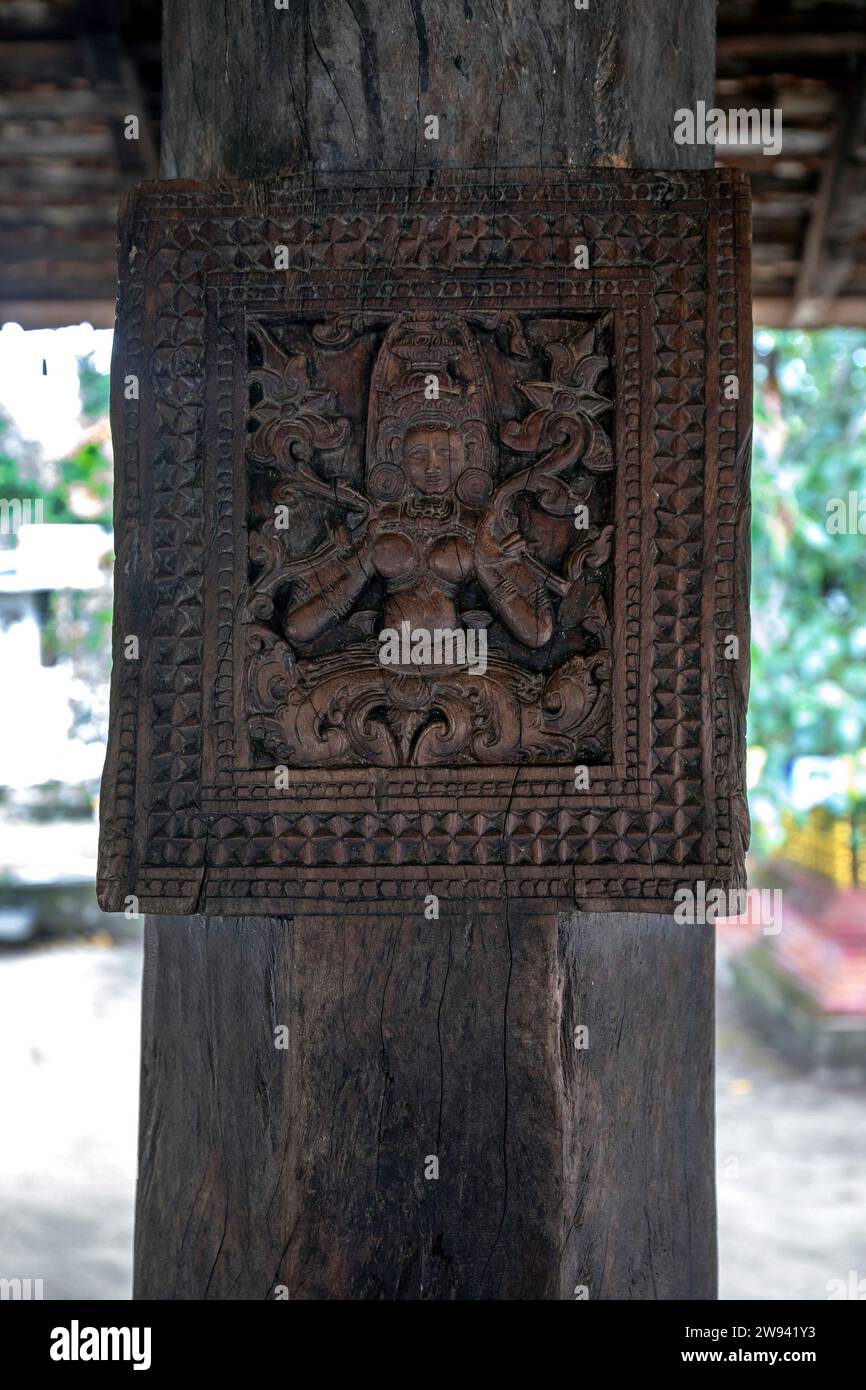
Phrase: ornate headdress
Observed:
(429, 374)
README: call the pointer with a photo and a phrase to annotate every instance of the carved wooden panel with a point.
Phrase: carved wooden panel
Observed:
(432, 510)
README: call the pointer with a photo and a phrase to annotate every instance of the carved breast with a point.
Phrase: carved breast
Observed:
(450, 558)
(399, 555)
(394, 555)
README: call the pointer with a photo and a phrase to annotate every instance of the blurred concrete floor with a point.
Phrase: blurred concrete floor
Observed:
(792, 1167)
(69, 1042)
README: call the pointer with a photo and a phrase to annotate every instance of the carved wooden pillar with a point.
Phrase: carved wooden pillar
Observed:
(512, 1099)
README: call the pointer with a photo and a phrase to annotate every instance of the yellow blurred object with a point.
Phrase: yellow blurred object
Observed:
(826, 845)
(741, 1086)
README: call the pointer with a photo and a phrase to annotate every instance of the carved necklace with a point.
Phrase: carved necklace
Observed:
(431, 508)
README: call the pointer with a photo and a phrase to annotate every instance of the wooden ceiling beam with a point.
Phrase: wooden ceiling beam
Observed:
(846, 311)
(58, 312)
(112, 75)
(827, 257)
(790, 45)
(71, 217)
(43, 181)
(58, 143)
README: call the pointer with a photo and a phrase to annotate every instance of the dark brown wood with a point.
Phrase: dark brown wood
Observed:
(455, 561)
(57, 313)
(780, 44)
(301, 1171)
(112, 77)
(304, 1168)
(849, 311)
(250, 90)
(69, 80)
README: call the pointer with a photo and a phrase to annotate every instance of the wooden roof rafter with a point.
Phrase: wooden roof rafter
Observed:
(72, 70)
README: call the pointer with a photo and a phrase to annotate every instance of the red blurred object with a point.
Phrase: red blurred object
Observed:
(826, 953)
(821, 945)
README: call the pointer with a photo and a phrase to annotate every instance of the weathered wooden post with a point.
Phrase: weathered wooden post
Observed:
(481, 395)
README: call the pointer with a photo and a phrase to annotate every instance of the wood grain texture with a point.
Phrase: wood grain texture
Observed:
(559, 1167)
(333, 84)
(305, 1167)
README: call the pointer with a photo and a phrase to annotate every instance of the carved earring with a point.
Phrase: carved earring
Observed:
(386, 483)
(474, 487)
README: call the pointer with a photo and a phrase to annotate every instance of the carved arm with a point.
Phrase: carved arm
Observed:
(515, 585)
(325, 595)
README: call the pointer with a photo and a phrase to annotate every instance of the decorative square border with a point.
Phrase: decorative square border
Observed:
(183, 829)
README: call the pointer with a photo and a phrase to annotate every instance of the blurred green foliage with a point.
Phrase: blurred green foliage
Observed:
(808, 691)
(93, 387)
(88, 470)
(19, 479)
(78, 488)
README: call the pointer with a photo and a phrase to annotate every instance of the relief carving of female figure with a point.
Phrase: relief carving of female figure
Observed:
(430, 521)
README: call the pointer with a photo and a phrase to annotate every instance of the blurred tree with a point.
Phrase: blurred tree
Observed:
(808, 694)
(21, 477)
(78, 488)
(93, 387)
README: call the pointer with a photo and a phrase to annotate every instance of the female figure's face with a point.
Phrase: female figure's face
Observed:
(433, 460)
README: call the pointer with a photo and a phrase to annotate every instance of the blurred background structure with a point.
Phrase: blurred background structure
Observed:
(792, 990)
(72, 71)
